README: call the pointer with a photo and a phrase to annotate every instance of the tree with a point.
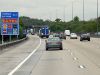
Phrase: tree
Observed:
(76, 19)
(58, 20)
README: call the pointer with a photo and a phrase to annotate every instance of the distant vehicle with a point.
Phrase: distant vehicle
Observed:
(44, 32)
(85, 37)
(56, 35)
(50, 36)
(67, 32)
(32, 31)
(73, 36)
(62, 36)
(97, 33)
(54, 42)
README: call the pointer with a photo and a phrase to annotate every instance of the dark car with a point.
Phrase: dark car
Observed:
(62, 36)
(56, 35)
(54, 42)
(32, 33)
(85, 37)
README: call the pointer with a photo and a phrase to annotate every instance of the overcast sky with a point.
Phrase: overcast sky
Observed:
(50, 9)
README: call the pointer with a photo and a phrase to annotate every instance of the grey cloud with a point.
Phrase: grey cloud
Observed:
(47, 8)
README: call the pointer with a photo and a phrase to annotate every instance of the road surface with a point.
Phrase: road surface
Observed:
(77, 58)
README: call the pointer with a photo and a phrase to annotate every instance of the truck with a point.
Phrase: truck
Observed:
(67, 32)
(44, 32)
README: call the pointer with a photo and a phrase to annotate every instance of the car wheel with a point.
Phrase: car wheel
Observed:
(64, 38)
(61, 48)
(88, 39)
(81, 40)
(47, 37)
(41, 36)
(46, 48)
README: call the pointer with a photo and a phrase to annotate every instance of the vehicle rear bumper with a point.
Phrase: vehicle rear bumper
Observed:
(44, 35)
(54, 46)
(73, 37)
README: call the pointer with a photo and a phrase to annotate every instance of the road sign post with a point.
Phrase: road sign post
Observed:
(10, 38)
(10, 23)
(2, 40)
(17, 37)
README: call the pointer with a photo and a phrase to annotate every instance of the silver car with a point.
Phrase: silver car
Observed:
(54, 42)
(73, 36)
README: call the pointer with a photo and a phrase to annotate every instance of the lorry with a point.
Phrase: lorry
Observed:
(44, 32)
(67, 32)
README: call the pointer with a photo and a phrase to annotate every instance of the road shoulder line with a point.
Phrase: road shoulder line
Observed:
(16, 68)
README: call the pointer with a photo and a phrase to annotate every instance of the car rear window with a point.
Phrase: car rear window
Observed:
(53, 39)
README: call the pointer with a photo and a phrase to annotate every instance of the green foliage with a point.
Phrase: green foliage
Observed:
(76, 19)
(58, 26)
(58, 20)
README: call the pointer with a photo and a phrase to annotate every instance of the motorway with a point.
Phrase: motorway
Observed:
(77, 58)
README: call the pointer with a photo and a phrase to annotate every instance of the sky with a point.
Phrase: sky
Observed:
(51, 9)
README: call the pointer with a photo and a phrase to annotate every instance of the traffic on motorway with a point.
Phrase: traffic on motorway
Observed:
(49, 37)
(54, 40)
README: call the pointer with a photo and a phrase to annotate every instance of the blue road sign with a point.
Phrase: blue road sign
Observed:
(10, 23)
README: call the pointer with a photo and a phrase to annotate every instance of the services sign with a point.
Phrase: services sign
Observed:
(10, 23)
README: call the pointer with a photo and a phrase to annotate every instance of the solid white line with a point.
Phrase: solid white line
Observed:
(15, 69)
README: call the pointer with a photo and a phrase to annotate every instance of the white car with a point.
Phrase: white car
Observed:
(73, 36)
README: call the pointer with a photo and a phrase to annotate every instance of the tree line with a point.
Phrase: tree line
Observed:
(58, 25)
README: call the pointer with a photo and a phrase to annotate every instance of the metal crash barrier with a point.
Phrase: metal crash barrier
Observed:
(5, 45)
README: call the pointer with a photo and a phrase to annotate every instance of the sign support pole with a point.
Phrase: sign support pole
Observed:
(17, 37)
(2, 40)
(10, 38)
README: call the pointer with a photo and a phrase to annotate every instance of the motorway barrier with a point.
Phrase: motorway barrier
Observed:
(3, 46)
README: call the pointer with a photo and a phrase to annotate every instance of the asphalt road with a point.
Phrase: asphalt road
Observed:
(11, 57)
(77, 58)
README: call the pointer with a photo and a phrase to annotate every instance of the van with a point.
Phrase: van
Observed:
(67, 32)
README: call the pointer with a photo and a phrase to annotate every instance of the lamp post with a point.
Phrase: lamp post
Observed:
(97, 18)
(83, 11)
(72, 10)
(56, 13)
(64, 14)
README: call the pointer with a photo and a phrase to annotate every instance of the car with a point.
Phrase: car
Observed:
(97, 33)
(54, 42)
(56, 35)
(85, 37)
(73, 36)
(32, 33)
(62, 36)
(50, 36)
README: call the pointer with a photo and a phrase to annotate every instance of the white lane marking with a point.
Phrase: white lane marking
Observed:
(81, 66)
(15, 69)
(71, 53)
(75, 58)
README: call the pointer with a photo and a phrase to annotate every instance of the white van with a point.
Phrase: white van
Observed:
(67, 32)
